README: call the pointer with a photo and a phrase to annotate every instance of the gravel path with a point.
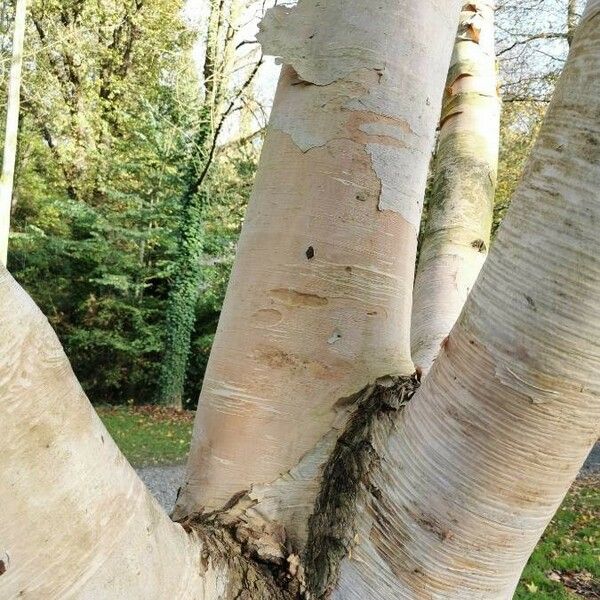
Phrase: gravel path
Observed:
(592, 464)
(164, 481)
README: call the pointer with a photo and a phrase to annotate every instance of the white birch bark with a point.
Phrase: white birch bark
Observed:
(487, 449)
(320, 297)
(572, 20)
(475, 466)
(76, 521)
(12, 127)
(459, 220)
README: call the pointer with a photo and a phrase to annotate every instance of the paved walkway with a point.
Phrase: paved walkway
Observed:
(592, 464)
(163, 482)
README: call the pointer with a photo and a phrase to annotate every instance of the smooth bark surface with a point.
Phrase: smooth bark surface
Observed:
(320, 296)
(13, 106)
(456, 234)
(490, 444)
(76, 521)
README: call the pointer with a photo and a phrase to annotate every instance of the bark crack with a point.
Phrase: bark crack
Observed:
(346, 479)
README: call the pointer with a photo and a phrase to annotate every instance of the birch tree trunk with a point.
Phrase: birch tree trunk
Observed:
(572, 20)
(459, 220)
(12, 127)
(441, 497)
(320, 297)
(76, 522)
(483, 455)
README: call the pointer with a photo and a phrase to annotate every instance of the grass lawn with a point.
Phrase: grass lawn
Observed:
(564, 566)
(149, 435)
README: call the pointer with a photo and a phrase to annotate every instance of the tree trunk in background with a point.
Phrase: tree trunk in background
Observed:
(572, 20)
(459, 220)
(12, 127)
(319, 301)
(487, 449)
(180, 317)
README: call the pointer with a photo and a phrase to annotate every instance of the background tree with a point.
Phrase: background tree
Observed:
(222, 96)
(105, 161)
(12, 127)
(532, 44)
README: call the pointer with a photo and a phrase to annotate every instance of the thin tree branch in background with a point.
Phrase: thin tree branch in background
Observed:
(532, 38)
(219, 127)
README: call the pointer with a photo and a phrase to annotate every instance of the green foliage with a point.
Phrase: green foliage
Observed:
(210, 225)
(102, 297)
(567, 560)
(185, 287)
(102, 276)
(519, 127)
(111, 106)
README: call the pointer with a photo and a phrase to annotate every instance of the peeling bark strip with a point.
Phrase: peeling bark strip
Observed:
(332, 527)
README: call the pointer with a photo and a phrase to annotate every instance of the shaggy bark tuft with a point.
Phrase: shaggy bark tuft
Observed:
(258, 556)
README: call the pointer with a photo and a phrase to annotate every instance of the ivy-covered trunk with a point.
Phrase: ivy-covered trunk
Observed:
(184, 293)
(180, 317)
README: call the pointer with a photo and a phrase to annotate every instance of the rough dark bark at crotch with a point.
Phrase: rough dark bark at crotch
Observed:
(256, 553)
(346, 477)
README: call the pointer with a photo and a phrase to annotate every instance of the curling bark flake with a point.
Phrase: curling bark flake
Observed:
(456, 234)
(319, 300)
